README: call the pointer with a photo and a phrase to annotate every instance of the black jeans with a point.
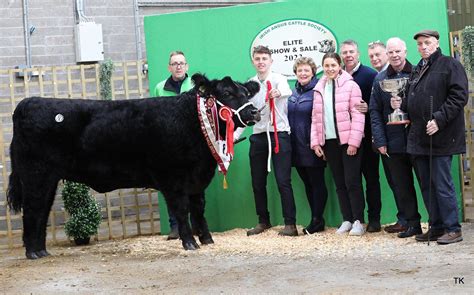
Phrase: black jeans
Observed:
(282, 170)
(403, 187)
(347, 177)
(315, 187)
(370, 170)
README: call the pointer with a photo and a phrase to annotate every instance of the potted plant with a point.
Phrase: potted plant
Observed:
(84, 211)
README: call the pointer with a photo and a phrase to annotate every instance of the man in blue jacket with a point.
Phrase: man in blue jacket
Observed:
(390, 140)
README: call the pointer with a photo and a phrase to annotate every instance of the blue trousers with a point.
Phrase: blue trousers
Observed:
(442, 206)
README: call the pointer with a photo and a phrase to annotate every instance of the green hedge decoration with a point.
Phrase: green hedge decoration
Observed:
(467, 37)
(84, 211)
(106, 70)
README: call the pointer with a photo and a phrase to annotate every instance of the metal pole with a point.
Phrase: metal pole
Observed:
(430, 210)
(138, 39)
(26, 31)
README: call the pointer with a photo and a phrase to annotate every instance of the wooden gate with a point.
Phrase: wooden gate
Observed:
(127, 212)
(467, 160)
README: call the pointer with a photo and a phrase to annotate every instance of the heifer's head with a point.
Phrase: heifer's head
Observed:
(232, 94)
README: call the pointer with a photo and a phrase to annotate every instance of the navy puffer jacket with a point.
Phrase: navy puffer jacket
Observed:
(300, 106)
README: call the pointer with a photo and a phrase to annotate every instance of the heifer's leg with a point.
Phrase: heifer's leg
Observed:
(38, 196)
(178, 203)
(197, 205)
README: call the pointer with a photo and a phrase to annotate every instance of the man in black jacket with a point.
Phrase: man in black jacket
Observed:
(390, 140)
(437, 94)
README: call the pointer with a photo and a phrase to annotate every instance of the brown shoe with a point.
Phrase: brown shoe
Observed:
(449, 238)
(289, 230)
(434, 234)
(174, 234)
(395, 228)
(258, 229)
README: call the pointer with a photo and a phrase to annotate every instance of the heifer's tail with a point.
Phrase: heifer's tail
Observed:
(14, 195)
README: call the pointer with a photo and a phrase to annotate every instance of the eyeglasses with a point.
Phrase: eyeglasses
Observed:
(377, 42)
(176, 64)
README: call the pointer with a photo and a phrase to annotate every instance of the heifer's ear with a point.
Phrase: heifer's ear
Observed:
(199, 80)
(228, 79)
(201, 83)
(253, 87)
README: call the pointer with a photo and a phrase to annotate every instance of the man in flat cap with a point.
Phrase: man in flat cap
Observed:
(436, 95)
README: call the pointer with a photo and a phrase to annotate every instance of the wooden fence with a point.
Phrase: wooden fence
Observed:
(127, 212)
(467, 160)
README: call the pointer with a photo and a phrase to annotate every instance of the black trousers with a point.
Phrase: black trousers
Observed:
(370, 170)
(282, 170)
(401, 219)
(315, 187)
(401, 171)
(347, 177)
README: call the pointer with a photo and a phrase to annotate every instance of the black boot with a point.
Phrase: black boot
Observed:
(316, 225)
(411, 231)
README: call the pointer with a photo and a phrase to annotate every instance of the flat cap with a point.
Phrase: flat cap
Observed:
(427, 33)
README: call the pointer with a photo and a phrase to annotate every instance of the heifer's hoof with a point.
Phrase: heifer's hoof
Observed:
(43, 253)
(190, 245)
(36, 254)
(32, 255)
(206, 240)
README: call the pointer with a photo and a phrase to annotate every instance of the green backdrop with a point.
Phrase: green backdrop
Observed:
(217, 42)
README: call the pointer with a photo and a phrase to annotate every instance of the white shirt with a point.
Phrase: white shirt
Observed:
(279, 82)
(384, 67)
(354, 69)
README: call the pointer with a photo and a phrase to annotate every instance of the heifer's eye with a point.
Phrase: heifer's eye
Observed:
(226, 93)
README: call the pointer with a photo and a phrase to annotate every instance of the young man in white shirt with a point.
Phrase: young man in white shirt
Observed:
(274, 111)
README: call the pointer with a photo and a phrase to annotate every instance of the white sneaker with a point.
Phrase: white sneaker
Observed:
(345, 227)
(357, 229)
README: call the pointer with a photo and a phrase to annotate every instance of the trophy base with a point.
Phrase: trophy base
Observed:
(398, 118)
(404, 122)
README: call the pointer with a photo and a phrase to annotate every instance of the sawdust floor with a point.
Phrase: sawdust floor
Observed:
(320, 263)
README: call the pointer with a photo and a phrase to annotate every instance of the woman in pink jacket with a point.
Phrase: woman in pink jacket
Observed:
(337, 129)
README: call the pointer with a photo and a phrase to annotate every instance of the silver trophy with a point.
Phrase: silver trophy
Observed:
(395, 86)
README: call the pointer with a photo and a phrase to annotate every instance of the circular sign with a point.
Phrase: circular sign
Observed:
(290, 39)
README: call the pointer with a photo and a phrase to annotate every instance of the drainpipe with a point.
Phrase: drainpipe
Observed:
(26, 31)
(138, 39)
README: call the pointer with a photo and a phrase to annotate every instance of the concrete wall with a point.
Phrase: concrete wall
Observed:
(52, 43)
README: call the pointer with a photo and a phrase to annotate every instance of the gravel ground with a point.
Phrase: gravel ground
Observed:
(267, 263)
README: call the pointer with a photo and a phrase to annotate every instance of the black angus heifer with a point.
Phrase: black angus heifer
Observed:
(156, 143)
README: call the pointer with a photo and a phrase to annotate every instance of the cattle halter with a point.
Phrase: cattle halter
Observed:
(236, 112)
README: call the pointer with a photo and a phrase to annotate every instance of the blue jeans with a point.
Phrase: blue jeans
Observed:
(443, 209)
